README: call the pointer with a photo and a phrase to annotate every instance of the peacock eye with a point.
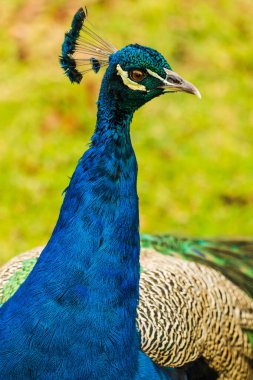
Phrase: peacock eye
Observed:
(137, 75)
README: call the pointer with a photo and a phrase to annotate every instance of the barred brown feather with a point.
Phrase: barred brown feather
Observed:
(187, 310)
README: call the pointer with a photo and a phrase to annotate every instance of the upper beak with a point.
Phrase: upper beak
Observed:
(174, 83)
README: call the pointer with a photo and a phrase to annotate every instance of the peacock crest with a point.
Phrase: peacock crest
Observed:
(83, 49)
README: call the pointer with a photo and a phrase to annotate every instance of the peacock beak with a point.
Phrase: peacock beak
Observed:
(174, 83)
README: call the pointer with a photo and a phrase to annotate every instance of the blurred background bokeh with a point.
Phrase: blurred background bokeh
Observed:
(195, 157)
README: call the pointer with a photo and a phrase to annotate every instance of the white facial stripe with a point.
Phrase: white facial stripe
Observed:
(155, 75)
(128, 82)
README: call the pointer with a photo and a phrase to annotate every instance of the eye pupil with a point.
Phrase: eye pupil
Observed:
(137, 75)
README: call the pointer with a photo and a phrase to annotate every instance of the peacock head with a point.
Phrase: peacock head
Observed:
(138, 74)
(135, 74)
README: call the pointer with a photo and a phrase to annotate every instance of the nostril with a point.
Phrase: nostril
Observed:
(174, 80)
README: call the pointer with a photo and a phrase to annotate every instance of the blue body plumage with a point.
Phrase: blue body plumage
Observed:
(75, 315)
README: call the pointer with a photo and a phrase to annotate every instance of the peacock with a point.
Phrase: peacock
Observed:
(91, 304)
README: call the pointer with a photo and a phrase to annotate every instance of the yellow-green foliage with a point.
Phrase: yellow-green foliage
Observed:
(195, 157)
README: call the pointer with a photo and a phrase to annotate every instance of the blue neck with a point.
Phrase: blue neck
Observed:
(103, 244)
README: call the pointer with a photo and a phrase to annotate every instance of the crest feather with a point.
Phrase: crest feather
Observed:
(83, 49)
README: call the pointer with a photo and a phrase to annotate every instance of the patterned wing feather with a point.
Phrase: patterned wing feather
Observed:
(188, 310)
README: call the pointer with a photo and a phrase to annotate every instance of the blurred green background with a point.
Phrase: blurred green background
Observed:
(195, 157)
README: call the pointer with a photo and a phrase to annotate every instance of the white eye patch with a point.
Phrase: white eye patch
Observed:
(127, 81)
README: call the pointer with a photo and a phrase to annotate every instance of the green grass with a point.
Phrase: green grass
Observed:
(195, 157)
